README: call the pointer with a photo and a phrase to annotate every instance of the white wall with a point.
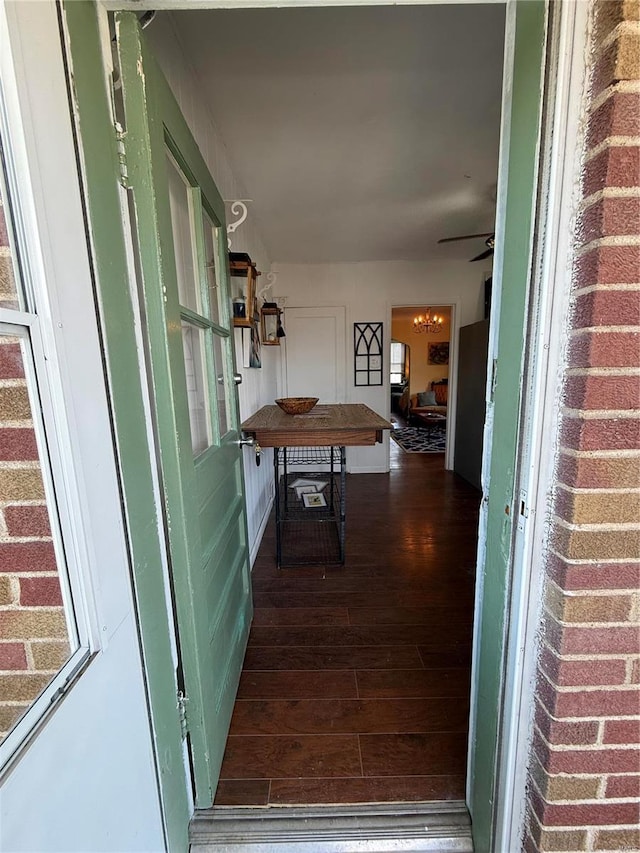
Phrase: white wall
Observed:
(259, 386)
(368, 291)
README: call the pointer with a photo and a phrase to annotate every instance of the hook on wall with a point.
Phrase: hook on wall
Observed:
(239, 209)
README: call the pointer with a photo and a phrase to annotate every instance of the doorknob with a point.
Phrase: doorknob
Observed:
(237, 378)
(250, 441)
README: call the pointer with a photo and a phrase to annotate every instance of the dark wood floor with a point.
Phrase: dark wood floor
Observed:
(355, 686)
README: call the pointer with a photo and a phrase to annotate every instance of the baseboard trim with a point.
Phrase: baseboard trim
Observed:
(255, 547)
(444, 827)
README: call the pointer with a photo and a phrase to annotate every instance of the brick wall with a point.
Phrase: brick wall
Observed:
(33, 631)
(584, 774)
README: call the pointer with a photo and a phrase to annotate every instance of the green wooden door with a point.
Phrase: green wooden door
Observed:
(519, 156)
(182, 257)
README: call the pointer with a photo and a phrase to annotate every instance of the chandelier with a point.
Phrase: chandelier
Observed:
(427, 322)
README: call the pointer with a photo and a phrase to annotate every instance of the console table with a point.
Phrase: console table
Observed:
(314, 441)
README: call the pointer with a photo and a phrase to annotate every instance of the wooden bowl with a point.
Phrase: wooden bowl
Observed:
(297, 405)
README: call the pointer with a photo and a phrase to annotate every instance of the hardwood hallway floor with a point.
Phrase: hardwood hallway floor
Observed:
(355, 686)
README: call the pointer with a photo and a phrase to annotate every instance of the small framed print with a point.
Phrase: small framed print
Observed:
(314, 500)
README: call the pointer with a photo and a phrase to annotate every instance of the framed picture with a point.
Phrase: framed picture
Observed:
(314, 500)
(367, 353)
(438, 353)
(255, 359)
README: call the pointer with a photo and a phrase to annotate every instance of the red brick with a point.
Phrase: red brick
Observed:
(591, 673)
(27, 557)
(598, 472)
(583, 640)
(602, 392)
(40, 592)
(11, 362)
(619, 787)
(619, 115)
(576, 576)
(590, 703)
(561, 732)
(12, 656)
(607, 308)
(605, 349)
(18, 445)
(635, 672)
(609, 265)
(601, 433)
(592, 761)
(579, 814)
(617, 166)
(27, 521)
(623, 731)
(4, 235)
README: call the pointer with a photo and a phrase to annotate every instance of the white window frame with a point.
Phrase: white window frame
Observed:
(49, 412)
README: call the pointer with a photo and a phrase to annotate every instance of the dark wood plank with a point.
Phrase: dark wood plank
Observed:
(386, 789)
(440, 616)
(242, 792)
(442, 753)
(349, 716)
(270, 617)
(303, 756)
(365, 635)
(316, 684)
(413, 682)
(332, 657)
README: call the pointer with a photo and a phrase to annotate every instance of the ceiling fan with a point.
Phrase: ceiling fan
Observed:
(489, 242)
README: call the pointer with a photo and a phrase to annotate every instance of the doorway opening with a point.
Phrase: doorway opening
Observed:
(346, 224)
(420, 394)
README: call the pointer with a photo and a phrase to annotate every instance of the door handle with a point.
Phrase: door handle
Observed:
(250, 441)
(237, 378)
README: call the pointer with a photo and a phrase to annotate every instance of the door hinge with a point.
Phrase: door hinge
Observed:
(182, 713)
(123, 174)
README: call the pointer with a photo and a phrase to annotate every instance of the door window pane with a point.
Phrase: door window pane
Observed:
(221, 390)
(183, 242)
(39, 628)
(193, 341)
(211, 260)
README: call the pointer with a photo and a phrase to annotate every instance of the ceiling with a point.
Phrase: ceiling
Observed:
(360, 133)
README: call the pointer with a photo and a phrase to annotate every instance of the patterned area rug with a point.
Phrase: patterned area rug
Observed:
(417, 440)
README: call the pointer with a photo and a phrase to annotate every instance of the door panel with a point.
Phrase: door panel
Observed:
(181, 235)
(315, 353)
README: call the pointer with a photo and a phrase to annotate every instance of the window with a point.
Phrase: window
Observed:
(44, 635)
(396, 363)
(196, 242)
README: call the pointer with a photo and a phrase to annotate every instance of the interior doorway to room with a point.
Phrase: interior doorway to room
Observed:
(421, 414)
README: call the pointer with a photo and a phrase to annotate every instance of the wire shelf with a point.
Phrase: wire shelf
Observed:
(309, 455)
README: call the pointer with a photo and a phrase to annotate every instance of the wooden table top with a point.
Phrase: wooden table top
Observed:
(337, 424)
